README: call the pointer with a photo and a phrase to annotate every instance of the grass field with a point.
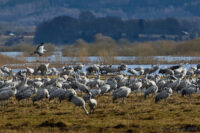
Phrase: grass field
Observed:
(8, 60)
(136, 115)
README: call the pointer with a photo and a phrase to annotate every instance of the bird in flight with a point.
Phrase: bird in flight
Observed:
(40, 49)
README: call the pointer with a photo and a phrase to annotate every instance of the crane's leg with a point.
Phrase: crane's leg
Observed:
(26, 102)
(2, 106)
(123, 100)
(165, 101)
(41, 103)
(86, 112)
(74, 109)
(6, 103)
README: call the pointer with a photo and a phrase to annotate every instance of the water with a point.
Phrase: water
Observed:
(96, 58)
(12, 54)
(132, 66)
(57, 56)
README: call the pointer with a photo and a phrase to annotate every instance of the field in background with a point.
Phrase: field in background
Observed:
(136, 115)
(9, 60)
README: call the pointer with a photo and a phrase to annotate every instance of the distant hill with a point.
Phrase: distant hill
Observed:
(31, 12)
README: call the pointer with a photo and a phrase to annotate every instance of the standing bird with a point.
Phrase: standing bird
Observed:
(43, 68)
(40, 95)
(151, 90)
(163, 94)
(92, 103)
(78, 101)
(66, 94)
(40, 49)
(122, 92)
(26, 93)
(5, 95)
(189, 90)
(29, 71)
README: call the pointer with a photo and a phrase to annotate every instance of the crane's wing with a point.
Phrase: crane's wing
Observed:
(39, 46)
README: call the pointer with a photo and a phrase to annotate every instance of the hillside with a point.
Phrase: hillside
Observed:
(31, 12)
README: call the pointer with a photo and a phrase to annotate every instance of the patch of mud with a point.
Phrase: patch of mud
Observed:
(119, 126)
(197, 103)
(190, 128)
(61, 113)
(187, 110)
(184, 128)
(59, 124)
(11, 126)
(43, 113)
(147, 118)
(134, 126)
(129, 131)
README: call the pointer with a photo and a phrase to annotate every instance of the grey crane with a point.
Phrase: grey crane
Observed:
(5, 95)
(121, 92)
(189, 90)
(112, 82)
(40, 95)
(140, 70)
(55, 93)
(92, 69)
(164, 94)
(166, 71)
(93, 92)
(151, 90)
(105, 88)
(66, 94)
(6, 70)
(26, 93)
(29, 71)
(43, 68)
(92, 103)
(78, 67)
(132, 71)
(82, 87)
(78, 101)
(135, 85)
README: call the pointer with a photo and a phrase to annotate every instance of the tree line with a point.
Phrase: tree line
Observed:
(66, 29)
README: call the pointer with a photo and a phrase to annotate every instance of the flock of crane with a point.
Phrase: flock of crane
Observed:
(71, 81)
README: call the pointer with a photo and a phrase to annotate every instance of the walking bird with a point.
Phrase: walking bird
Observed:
(78, 101)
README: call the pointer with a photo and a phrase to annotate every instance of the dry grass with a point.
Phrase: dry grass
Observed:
(108, 47)
(8, 60)
(137, 115)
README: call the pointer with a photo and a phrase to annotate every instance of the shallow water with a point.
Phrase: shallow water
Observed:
(133, 66)
(57, 56)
